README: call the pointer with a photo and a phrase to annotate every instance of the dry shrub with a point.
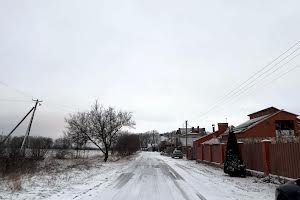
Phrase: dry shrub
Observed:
(15, 183)
(17, 165)
(63, 154)
(127, 144)
(39, 147)
(13, 160)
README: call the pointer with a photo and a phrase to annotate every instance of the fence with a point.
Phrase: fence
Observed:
(285, 159)
(281, 159)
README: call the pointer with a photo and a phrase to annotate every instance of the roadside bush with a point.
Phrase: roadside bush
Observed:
(39, 147)
(63, 154)
(127, 144)
(15, 183)
(13, 161)
(162, 146)
(13, 147)
(17, 165)
(2, 150)
(62, 143)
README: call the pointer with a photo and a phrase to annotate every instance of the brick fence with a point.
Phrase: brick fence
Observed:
(281, 159)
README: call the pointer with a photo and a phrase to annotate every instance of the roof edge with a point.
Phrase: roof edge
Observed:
(263, 110)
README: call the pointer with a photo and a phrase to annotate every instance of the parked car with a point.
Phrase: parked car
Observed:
(289, 191)
(177, 154)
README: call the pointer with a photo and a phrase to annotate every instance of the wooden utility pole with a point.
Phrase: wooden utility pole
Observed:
(153, 141)
(29, 126)
(186, 150)
(11, 132)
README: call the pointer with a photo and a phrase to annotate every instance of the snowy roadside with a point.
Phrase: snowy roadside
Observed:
(212, 183)
(147, 175)
(71, 177)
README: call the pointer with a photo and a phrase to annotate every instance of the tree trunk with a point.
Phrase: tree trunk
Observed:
(105, 156)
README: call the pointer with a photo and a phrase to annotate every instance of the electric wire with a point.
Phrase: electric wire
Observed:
(25, 94)
(253, 78)
(262, 86)
(240, 92)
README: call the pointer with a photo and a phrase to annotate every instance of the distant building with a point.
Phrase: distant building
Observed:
(212, 138)
(192, 135)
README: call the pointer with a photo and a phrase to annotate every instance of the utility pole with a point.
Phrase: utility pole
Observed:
(186, 150)
(172, 139)
(175, 136)
(153, 141)
(11, 132)
(29, 126)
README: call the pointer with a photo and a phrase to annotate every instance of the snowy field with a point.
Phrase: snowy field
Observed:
(144, 176)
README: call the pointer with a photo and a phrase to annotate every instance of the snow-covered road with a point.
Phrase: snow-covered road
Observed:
(152, 176)
(145, 176)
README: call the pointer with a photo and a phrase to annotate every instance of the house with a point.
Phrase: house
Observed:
(192, 135)
(212, 137)
(269, 123)
(163, 137)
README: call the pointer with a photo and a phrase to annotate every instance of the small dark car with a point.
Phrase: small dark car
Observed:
(177, 154)
(289, 191)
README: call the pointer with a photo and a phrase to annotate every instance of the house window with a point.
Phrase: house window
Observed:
(284, 128)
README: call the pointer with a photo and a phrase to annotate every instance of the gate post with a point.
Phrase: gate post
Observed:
(266, 156)
(222, 153)
(210, 153)
(202, 151)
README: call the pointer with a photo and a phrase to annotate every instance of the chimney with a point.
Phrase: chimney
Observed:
(213, 128)
(193, 129)
(198, 129)
(222, 127)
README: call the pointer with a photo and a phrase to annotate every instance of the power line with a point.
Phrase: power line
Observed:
(66, 108)
(14, 100)
(263, 86)
(262, 69)
(253, 78)
(280, 66)
(248, 86)
(16, 90)
(274, 79)
(278, 77)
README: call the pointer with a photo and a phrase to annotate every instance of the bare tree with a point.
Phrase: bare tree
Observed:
(149, 138)
(77, 130)
(62, 143)
(100, 126)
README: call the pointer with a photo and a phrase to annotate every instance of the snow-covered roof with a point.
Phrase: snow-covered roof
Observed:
(212, 141)
(251, 123)
(247, 124)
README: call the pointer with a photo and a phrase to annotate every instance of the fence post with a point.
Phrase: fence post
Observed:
(210, 152)
(202, 151)
(241, 146)
(266, 156)
(222, 153)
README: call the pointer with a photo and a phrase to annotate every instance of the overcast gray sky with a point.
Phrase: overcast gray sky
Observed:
(166, 61)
